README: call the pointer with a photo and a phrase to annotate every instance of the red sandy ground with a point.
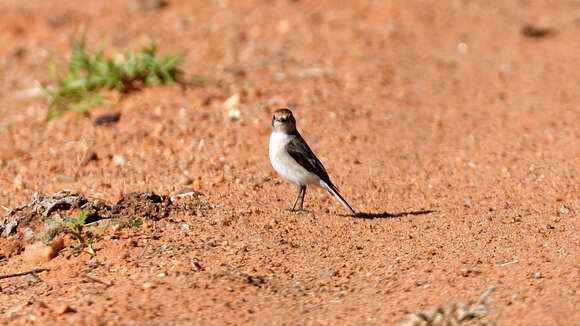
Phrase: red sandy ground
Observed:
(485, 135)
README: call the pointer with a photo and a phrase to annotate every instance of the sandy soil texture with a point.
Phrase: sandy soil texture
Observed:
(451, 126)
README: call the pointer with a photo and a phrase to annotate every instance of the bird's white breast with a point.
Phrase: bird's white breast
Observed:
(287, 166)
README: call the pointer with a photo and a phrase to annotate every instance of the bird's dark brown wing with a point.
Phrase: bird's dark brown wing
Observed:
(299, 150)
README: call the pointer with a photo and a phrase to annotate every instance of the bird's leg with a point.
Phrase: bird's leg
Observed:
(301, 209)
(300, 189)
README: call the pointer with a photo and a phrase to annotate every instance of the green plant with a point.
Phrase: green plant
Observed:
(81, 237)
(135, 222)
(88, 74)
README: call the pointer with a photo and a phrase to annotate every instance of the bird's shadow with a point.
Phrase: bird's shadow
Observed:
(371, 216)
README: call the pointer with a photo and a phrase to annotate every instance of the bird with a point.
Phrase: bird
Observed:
(293, 159)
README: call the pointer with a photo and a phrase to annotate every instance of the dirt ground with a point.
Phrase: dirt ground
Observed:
(450, 125)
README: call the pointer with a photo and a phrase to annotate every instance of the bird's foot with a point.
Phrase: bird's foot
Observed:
(299, 211)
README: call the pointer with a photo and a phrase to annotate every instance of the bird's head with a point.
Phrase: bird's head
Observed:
(283, 121)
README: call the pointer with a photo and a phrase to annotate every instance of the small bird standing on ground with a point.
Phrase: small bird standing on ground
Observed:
(294, 160)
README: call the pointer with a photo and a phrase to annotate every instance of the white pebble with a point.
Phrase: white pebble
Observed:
(462, 48)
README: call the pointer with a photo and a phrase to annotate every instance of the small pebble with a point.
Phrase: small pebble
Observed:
(234, 114)
(64, 309)
(88, 157)
(331, 273)
(312, 72)
(107, 119)
(65, 178)
(9, 227)
(39, 304)
(31, 278)
(93, 263)
(232, 102)
(119, 160)
(148, 285)
(28, 234)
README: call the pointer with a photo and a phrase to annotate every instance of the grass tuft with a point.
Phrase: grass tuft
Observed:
(88, 74)
(83, 238)
(476, 314)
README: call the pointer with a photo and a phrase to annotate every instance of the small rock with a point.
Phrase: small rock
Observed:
(28, 234)
(89, 156)
(232, 102)
(232, 107)
(93, 263)
(219, 179)
(115, 228)
(31, 278)
(57, 245)
(187, 192)
(119, 160)
(107, 119)
(13, 237)
(39, 304)
(197, 265)
(14, 310)
(312, 72)
(148, 285)
(146, 5)
(537, 275)
(65, 178)
(532, 31)
(234, 114)
(462, 48)
(328, 274)
(211, 243)
(9, 227)
(63, 309)
(39, 252)
(161, 275)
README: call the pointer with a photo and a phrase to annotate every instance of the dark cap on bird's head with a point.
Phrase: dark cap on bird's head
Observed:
(283, 120)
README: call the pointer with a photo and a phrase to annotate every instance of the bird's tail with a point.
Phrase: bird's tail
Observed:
(332, 189)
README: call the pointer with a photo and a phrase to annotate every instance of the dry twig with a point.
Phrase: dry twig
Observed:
(34, 271)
